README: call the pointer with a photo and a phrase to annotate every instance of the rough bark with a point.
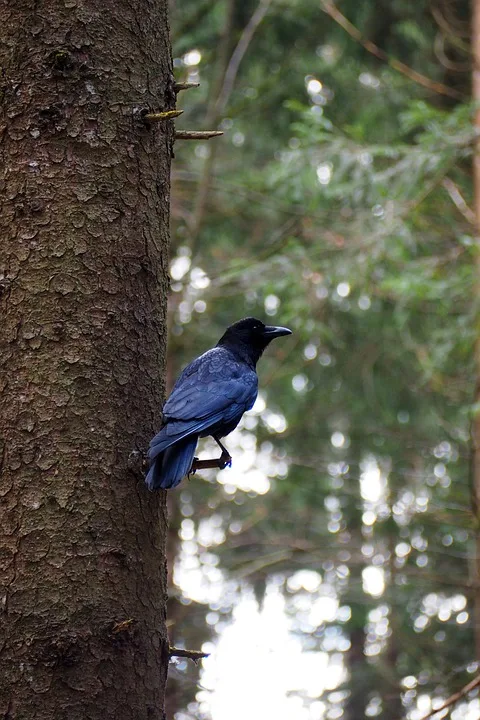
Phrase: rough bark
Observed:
(83, 277)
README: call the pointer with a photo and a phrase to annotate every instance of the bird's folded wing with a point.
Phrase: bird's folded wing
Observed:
(207, 393)
(211, 383)
(190, 402)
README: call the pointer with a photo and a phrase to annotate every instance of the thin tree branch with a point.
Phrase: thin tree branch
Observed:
(197, 134)
(262, 563)
(454, 698)
(439, 48)
(185, 86)
(417, 77)
(211, 120)
(452, 27)
(238, 54)
(219, 463)
(194, 655)
(122, 626)
(458, 200)
(218, 103)
(162, 116)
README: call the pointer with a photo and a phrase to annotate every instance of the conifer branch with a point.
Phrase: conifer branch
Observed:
(417, 77)
(238, 54)
(454, 698)
(458, 200)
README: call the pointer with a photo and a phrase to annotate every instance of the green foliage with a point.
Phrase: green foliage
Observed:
(342, 210)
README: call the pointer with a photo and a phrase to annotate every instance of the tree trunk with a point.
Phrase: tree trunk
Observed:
(355, 661)
(83, 280)
(476, 418)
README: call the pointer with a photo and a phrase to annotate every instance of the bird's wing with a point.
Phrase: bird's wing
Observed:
(214, 388)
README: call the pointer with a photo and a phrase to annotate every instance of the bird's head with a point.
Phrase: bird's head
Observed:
(252, 334)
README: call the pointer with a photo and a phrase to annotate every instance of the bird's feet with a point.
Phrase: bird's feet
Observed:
(220, 463)
(225, 460)
(193, 469)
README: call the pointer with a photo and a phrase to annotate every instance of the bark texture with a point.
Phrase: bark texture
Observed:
(83, 280)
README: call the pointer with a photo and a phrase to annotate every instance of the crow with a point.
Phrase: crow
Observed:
(209, 398)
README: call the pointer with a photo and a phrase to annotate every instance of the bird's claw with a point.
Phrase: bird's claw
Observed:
(215, 463)
(193, 469)
(224, 461)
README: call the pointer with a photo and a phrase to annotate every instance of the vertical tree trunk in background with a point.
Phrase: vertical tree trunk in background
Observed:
(358, 687)
(83, 267)
(211, 120)
(392, 691)
(476, 419)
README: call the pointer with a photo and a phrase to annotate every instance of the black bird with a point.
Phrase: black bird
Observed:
(209, 398)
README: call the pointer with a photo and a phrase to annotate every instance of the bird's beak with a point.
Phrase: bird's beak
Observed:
(273, 331)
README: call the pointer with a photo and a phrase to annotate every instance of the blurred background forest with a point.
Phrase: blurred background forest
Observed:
(332, 571)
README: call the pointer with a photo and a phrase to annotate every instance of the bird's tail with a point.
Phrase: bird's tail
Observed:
(170, 466)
